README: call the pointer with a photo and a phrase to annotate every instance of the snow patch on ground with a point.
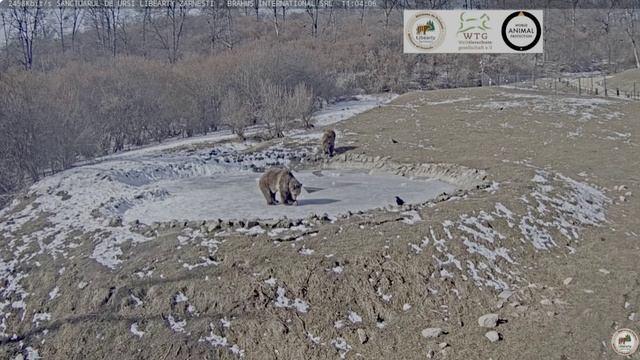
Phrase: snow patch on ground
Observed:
(284, 302)
(176, 326)
(354, 318)
(557, 206)
(54, 293)
(32, 354)
(343, 110)
(582, 109)
(411, 217)
(449, 101)
(180, 297)
(567, 211)
(218, 341)
(135, 331)
(256, 230)
(342, 346)
(41, 317)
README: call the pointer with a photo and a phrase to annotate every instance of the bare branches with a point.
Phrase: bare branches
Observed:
(27, 22)
(220, 20)
(168, 29)
(302, 104)
(313, 10)
(105, 19)
(236, 113)
(388, 6)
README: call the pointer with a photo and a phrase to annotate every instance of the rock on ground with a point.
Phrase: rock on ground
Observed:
(431, 332)
(492, 335)
(488, 320)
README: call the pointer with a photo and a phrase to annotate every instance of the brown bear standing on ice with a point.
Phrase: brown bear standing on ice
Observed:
(328, 142)
(280, 180)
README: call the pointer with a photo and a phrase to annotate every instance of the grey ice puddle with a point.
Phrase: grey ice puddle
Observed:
(236, 196)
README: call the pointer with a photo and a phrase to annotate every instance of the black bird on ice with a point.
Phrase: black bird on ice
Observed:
(399, 201)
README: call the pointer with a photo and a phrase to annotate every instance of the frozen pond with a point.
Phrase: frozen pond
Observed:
(236, 196)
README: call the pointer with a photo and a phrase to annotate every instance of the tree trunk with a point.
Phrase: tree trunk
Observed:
(631, 32)
(275, 21)
(635, 53)
(61, 23)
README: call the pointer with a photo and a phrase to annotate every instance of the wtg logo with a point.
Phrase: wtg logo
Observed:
(473, 32)
(474, 28)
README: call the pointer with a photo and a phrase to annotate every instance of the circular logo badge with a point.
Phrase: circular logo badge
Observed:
(521, 31)
(425, 31)
(624, 342)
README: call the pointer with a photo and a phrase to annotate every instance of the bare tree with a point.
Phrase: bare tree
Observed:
(631, 17)
(313, 10)
(5, 29)
(175, 14)
(302, 104)
(219, 20)
(76, 20)
(256, 7)
(60, 17)
(275, 19)
(236, 113)
(605, 19)
(65, 16)
(388, 6)
(105, 20)
(429, 4)
(281, 106)
(574, 6)
(279, 26)
(145, 13)
(274, 108)
(121, 31)
(27, 21)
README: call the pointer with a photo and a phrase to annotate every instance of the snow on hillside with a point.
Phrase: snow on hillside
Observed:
(342, 110)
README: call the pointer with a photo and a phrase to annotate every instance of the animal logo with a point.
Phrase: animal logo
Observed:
(624, 339)
(280, 180)
(423, 29)
(625, 342)
(480, 23)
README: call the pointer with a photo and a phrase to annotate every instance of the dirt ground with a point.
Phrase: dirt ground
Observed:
(560, 277)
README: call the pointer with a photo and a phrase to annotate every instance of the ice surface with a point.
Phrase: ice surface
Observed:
(236, 196)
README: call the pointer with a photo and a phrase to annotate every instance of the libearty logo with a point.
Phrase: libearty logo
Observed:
(425, 30)
(625, 342)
